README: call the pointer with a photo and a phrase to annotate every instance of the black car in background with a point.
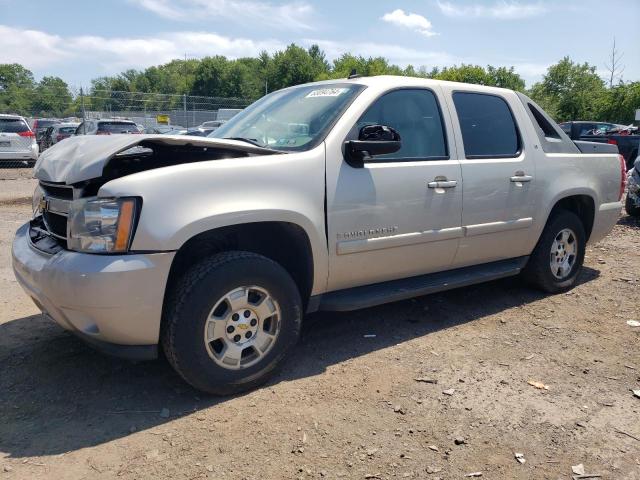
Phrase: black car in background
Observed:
(625, 137)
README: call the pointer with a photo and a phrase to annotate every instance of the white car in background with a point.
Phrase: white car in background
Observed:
(17, 140)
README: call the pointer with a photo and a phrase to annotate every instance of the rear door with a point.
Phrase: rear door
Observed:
(498, 171)
(399, 215)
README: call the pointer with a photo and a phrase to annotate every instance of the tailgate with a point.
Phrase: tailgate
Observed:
(12, 142)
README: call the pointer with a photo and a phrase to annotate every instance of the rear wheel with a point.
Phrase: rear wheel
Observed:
(557, 259)
(231, 322)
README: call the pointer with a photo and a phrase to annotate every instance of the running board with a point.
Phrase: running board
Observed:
(395, 290)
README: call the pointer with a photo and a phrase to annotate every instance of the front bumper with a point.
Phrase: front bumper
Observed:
(114, 302)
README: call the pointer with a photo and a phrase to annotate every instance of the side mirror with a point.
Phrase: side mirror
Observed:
(372, 140)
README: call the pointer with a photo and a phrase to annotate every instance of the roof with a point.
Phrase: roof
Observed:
(121, 120)
(390, 81)
(10, 115)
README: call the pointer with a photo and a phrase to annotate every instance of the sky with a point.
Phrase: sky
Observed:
(81, 40)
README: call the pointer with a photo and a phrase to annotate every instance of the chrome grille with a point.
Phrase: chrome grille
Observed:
(55, 210)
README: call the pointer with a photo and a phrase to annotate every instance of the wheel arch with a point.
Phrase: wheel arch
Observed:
(286, 243)
(582, 204)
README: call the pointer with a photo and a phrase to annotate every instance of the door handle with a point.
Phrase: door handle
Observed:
(442, 184)
(521, 178)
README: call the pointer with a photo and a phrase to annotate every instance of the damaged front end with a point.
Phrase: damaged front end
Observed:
(76, 169)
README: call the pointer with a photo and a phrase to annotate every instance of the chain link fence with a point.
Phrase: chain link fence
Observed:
(148, 110)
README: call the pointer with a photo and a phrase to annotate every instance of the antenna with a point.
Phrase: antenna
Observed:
(354, 74)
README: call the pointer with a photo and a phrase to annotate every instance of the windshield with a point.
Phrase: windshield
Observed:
(293, 119)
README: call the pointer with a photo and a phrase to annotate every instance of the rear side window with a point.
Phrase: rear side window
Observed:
(70, 130)
(415, 114)
(543, 123)
(117, 127)
(488, 127)
(13, 125)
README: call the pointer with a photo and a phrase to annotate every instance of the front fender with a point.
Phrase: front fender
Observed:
(182, 201)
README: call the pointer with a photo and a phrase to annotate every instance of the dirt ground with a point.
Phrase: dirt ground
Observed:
(347, 405)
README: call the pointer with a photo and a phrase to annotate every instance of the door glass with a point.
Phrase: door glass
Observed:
(415, 114)
(488, 128)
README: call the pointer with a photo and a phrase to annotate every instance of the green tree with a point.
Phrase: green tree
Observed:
(620, 102)
(51, 97)
(209, 76)
(16, 89)
(570, 91)
(292, 66)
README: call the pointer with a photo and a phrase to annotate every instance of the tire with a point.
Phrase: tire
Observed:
(208, 291)
(633, 210)
(538, 271)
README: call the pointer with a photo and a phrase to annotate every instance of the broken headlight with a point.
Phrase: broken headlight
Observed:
(101, 225)
(36, 201)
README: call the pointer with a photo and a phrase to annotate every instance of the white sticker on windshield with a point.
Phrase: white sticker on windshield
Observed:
(326, 92)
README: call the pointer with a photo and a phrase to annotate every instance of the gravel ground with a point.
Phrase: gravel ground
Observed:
(441, 391)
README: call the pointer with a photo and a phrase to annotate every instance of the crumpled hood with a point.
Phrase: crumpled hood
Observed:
(84, 157)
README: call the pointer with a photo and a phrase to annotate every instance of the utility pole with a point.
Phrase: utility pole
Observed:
(184, 107)
(84, 125)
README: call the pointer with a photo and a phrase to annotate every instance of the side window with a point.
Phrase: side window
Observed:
(415, 114)
(587, 129)
(545, 125)
(566, 127)
(488, 127)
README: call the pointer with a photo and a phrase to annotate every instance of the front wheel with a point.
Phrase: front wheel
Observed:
(231, 322)
(557, 259)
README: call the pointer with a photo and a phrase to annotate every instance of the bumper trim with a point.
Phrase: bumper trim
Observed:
(127, 352)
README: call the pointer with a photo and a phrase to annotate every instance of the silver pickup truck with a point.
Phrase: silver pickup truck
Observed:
(330, 196)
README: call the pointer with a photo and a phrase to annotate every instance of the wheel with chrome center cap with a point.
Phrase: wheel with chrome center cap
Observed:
(563, 253)
(557, 258)
(230, 322)
(242, 327)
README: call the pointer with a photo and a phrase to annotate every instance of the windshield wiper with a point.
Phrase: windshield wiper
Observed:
(252, 141)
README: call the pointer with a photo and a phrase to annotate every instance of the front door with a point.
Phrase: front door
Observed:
(400, 214)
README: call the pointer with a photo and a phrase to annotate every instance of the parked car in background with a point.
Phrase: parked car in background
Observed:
(56, 133)
(624, 136)
(632, 203)
(17, 140)
(40, 125)
(331, 196)
(226, 114)
(166, 130)
(107, 126)
(199, 131)
(212, 124)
